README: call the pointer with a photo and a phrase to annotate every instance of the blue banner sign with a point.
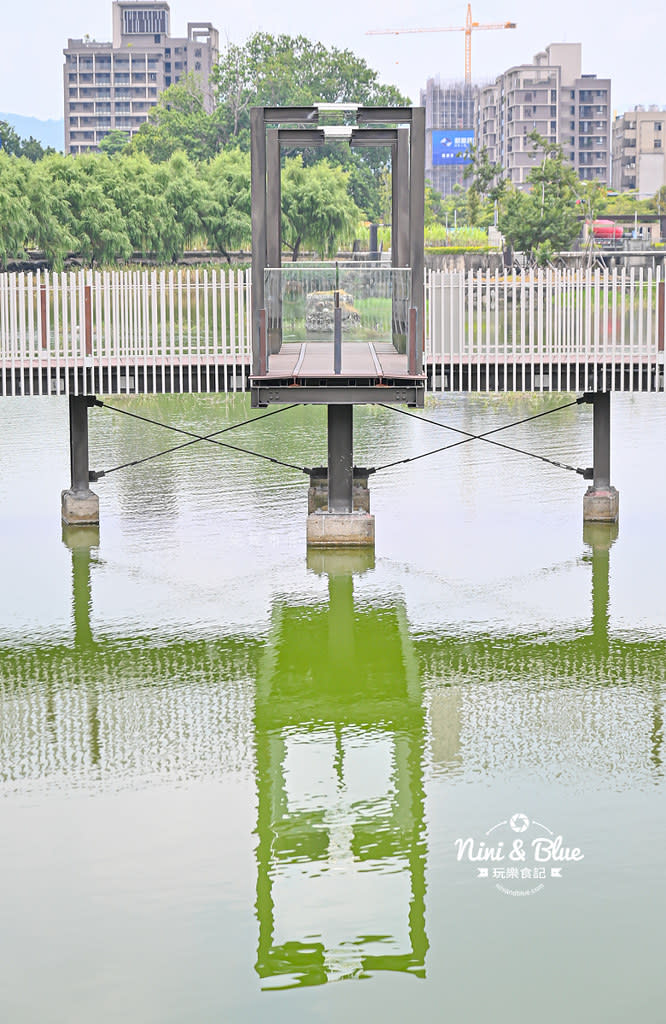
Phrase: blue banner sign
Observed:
(451, 146)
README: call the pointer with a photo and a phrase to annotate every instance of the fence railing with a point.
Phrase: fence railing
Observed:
(127, 319)
(597, 320)
(200, 319)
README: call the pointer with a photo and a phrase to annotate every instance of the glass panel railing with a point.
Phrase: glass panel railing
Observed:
(300, 303)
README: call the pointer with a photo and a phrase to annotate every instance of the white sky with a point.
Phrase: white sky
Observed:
(620, 41)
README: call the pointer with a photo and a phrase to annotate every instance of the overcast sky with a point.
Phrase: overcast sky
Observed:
(620, 41)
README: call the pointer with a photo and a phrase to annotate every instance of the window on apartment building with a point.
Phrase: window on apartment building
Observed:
(197, 65)
(158, 38)
(197, 52)
(553, 127)
(657, 126)
(167, 80)
(657, 143)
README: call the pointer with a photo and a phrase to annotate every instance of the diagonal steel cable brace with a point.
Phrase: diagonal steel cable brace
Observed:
(585, 473)
(97, 475)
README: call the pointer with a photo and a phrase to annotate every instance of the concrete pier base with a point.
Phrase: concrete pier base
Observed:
(340, 529)
(601, 505)
(79, 508)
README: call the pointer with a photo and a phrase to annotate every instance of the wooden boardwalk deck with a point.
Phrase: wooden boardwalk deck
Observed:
(313, 360)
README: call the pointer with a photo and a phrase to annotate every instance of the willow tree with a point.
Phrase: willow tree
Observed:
(317, 209)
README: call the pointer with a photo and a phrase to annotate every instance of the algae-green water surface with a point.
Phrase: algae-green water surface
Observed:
(243, 783)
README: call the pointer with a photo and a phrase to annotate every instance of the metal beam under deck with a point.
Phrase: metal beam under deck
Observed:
(458, 375)
(133, 380)
(412, 395)
(556, 377)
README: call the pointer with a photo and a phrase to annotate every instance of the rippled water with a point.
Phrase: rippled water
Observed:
(232, 776)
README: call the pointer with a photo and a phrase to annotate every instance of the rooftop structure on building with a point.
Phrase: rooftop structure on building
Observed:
(115, 85)
(639, 151)
(553, 97)
(449, 132)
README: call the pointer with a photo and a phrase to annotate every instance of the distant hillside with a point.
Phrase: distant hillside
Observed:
(49, 133)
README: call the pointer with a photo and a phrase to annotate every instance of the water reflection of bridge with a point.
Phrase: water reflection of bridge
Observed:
(339, 734)
(336, 712)
(105, 708)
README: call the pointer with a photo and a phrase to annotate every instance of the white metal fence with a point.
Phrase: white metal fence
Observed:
(198, 322)
(583, 324)
(125, 321)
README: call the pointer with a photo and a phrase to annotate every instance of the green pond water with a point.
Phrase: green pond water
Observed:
(241, 783)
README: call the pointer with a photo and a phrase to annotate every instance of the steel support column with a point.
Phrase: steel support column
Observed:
(601, 439)
(340, 458)
(258, 212)
(400, 200)
(601, 501)
(273, 238)
(80, 506)
(416, 218)
(78, 443)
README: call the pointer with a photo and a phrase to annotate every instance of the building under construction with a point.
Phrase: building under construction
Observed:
(449, 110)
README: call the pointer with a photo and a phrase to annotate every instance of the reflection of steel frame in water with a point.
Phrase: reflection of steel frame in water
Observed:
(363, 676)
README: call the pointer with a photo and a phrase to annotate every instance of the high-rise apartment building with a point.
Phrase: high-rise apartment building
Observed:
(639, 151)
(552, 96)
(114, 85)
(449, 132)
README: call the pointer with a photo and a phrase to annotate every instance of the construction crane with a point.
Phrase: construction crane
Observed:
(467, 28)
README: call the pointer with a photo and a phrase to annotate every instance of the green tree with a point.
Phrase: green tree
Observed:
(93, 219)
(50, 213)
(114, 142)
(16, 219)
(137, 190)
(179, 122)
(658, 201)
(10, 141)
(287, 70)
(543, 219)
(486, 187)
(12, 144)
(227, 218)
(294, 71)
(316, 206)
